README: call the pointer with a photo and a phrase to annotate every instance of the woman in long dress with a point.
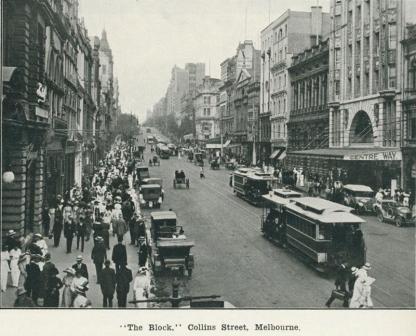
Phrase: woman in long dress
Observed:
(67, 294)
(24, 259)
(5, 268)
(141, 287)
(15, 254)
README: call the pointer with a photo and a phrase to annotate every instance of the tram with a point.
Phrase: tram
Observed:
(324, 233)
(250, 184)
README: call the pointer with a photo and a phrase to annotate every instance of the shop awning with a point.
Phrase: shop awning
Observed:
(217, 146)
(278, 154)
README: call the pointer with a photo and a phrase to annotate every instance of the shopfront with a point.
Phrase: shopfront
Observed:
(374, 167)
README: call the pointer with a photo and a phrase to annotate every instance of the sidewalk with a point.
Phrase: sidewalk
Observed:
(62, 260)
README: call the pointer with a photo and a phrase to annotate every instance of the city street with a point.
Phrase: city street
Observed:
(234, 260)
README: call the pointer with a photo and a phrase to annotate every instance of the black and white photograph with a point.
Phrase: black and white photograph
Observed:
(208, 154)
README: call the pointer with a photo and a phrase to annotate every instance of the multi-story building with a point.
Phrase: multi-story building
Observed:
(409, 101)
(26, 110)
(246, 100)
(365, 84)
(290, 34)
(178, 86)
(159, 109)
(225, 104)
(196, 74)
(309, 112)
(205, 105)
(96, 98)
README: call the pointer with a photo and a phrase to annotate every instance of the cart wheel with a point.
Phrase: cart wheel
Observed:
(190, 271)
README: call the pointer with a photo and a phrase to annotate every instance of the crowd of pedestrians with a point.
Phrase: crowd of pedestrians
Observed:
(88, 219)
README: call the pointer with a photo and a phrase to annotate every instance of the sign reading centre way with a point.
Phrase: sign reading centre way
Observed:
(388, 155)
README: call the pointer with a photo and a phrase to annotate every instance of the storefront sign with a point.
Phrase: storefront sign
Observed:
(392, 155)
(40, 112)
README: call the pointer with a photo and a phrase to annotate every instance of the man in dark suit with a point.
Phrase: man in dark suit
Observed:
(58, 223)
(81, 267)
(123, 279)
(98, 255)
(119, 256)
(108, 284)
(47, 270)
(69, 232)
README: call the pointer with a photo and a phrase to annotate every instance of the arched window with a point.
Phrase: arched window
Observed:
(280, 34)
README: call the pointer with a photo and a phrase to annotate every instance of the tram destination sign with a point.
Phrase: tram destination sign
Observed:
(388, 155)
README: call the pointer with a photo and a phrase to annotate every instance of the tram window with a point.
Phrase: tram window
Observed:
(324, 232)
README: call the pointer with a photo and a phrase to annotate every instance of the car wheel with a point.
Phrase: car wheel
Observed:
(399, 222)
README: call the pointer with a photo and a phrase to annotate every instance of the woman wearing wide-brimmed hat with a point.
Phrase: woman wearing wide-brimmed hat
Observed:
(81, 300)
(52, 289)
(67, 294)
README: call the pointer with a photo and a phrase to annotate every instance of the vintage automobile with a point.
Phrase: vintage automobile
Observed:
(142, 172)
(250, 184)
(359, 197)
(215, 164)
(199, 159)
(180, 180)
(155, 180)
(150, 196)
(168, 247)
(388, 210)
(323, 233)
(172, 148)
(190, 156)
(164, 152)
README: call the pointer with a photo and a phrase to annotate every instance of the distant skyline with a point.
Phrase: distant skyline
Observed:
(148, 37)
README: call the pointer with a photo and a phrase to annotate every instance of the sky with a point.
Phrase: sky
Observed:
(148, 37)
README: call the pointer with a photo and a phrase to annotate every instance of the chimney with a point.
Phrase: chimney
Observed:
(316, 22)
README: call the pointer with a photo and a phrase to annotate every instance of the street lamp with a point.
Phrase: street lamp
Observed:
(8, 176)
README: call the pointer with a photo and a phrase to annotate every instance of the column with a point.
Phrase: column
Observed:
(398, 122)
(39, 185)
(331, 125)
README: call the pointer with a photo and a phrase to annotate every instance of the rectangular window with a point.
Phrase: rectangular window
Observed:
(392, 36)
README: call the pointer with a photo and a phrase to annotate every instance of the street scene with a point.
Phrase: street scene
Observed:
(274, 169)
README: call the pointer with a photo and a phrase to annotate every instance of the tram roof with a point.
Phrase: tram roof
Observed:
(324, 211)
(358, 187)
(160, 215)
(282, 196)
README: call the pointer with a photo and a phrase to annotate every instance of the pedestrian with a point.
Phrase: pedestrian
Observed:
(81, 229)
(46, 271)
(105, 232)
(119, 224)
(81, 300)
(361, 297)
(119, 255)
(40, 241)
(89, 221)
(69, 232)
(24, 260)
(108, 284)
(52, 289)
(23, 300)
(5, 267)
(81, 267)
(15, 254)
(67, 294)
(142, 252)
(34, 281)
(123, 278)
(78, 280)
(340, 291)
(141, 287)
(58, 223)
(99, 255)
(202, 173)
(67, 211)
(46, 220)
(11, 240)
(351, 280)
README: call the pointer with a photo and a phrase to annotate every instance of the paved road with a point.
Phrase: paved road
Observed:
(234, 260)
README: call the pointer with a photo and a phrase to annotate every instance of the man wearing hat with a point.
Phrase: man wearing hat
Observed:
(123, 279)
(22, 300)
(119, 255)
(81, 267)
(47, 269)
(98, 255)
(69, 232)
(12, 240)
(363, 271)
(34, 281)
(108, 284)
(58, 222)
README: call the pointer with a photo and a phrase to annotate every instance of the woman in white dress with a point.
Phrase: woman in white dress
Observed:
(5, 268)
(67, 293)
(24, 260)
(15, 254)
(141, 287)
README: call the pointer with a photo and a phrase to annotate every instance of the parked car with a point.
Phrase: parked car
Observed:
(359, 197)
(388, 210)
